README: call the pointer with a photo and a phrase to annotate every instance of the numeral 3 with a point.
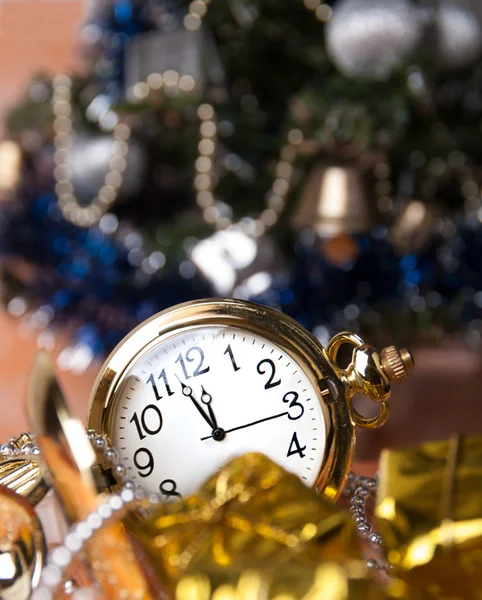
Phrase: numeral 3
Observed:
(292, 398)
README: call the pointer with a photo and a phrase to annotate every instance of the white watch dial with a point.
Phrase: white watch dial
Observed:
(207, 395)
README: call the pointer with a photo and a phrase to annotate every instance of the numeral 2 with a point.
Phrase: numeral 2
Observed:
(295, 447)
(229, 352)
(142, 425)
(270, 383)
(190, 358)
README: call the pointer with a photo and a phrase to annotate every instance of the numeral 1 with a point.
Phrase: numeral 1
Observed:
(295, 447)
(163, 376)
(154, 386)
(229, 352)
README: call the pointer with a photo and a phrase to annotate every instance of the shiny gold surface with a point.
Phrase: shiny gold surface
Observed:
(61, 438)
(330, 581)
(22, 474)
(396, 363)
(335, 386)
(252, 515)
(22, 547)
(430, 516)
(366, 374)
(69, 457)
(276, 327)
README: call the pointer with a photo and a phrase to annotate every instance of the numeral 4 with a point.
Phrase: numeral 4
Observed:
(295, 447)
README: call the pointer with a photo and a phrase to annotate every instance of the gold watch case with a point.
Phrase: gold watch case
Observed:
(335, 387)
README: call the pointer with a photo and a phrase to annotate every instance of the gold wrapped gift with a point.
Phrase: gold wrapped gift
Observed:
(330, 581)
(253, 518)
(429, 508)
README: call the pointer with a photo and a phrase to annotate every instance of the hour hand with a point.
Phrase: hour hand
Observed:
(187, 391)
(206, 399)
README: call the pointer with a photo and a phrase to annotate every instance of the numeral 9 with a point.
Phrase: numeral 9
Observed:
(144, 465)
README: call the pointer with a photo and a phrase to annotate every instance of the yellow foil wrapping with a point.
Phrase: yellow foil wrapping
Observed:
(254, 528)
(429, 508)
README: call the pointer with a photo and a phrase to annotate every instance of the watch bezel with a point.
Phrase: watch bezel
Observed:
(280, 329)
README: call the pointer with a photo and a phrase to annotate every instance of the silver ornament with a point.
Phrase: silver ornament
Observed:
(368, 38)
(237, 264)
(458, 34)
(89, 163)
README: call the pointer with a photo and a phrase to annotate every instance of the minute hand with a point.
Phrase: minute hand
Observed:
(283, 414)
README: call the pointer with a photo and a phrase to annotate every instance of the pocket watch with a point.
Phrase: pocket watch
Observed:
(206, 381)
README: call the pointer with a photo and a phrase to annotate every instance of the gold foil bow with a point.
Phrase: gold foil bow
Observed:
(253, 522)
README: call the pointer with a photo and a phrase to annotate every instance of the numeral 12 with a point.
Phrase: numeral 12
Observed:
(191, 355)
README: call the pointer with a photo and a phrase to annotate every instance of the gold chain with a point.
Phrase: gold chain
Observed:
(83, 216)
(173, 83)
(203, 180)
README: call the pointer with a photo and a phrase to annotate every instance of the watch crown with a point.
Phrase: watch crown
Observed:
(396, 363)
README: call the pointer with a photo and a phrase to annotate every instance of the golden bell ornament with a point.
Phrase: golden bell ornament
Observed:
(336, 200)
(22, 547)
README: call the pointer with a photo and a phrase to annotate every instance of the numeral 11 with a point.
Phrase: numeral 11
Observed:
(152, 381)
